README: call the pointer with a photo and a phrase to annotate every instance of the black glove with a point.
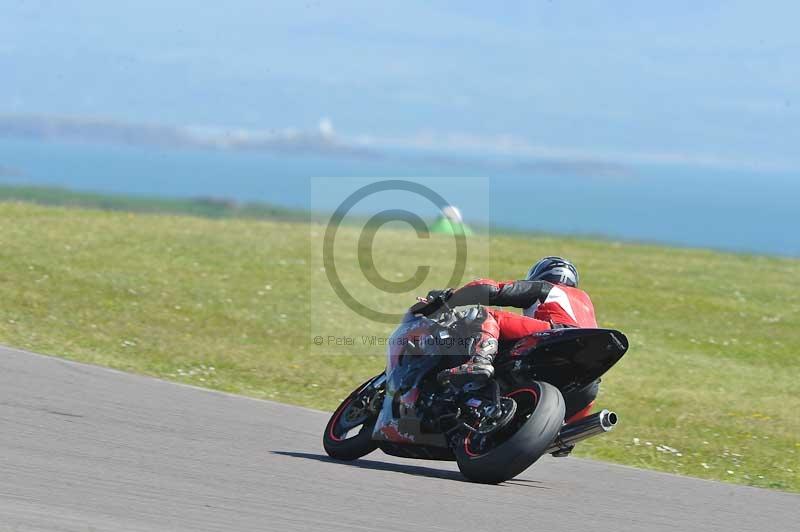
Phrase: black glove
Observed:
(439, 296)
(433, 302)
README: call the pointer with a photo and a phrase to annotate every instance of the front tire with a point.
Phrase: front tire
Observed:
(348, 435)
(499, 457)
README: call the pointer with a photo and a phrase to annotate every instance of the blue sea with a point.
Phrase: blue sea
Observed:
(740, 211)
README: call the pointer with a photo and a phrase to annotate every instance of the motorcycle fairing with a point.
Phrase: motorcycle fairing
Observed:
(409, 359)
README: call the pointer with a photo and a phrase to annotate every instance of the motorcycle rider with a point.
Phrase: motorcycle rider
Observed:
(550, 298)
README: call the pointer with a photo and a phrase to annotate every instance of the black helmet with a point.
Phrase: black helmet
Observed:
(554, 270)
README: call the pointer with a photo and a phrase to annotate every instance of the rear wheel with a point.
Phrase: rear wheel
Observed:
(501, 455)
(348, 434)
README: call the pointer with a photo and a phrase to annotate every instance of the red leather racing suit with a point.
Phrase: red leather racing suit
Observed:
(546, 305)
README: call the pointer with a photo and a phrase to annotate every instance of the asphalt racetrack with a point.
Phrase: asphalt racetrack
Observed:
(84, 448)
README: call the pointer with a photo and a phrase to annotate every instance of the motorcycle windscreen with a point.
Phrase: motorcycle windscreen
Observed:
(566, 357)
(408, 335)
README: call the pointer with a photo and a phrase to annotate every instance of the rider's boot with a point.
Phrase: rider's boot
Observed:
(483, 330)
(477, 369)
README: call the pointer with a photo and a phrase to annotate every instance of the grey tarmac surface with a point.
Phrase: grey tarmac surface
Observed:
(84, 448)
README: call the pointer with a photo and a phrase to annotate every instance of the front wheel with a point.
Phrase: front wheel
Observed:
(496, 457)
(348, 434)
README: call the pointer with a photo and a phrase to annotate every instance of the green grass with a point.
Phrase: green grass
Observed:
(227, 303)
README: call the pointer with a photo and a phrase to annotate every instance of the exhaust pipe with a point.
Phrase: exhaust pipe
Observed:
(587, 427)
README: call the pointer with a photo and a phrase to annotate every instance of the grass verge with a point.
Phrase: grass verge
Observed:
(708, 388)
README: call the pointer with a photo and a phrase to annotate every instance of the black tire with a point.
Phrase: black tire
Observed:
(355, 446)
(538, 425)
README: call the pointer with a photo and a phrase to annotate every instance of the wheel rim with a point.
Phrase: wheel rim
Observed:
(351, 415)
(527, 400)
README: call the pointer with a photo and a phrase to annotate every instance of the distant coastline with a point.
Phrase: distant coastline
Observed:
(206, 207)
(10, 171)
(457, 153)
(45, 127)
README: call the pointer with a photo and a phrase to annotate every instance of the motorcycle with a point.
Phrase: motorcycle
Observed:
(493, 429)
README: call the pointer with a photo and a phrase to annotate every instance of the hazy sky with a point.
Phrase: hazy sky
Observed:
(706, 81)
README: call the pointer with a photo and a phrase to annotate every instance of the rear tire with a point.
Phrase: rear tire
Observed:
(337, 442)
(539, 427)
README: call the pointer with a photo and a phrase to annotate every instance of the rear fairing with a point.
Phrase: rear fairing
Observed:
(567, 358)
